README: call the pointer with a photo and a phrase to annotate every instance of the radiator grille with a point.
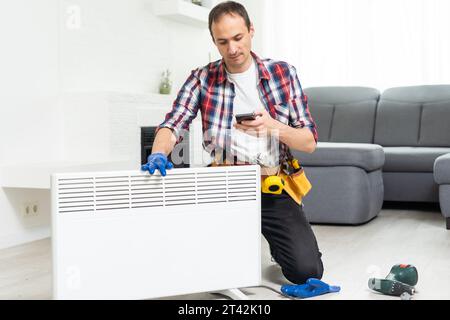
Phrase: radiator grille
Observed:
(99, 193)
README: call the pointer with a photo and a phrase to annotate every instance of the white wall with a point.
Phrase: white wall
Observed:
(28, 107)
(375, 43)
(256, 13)
(28, 80)
(117, 46)
(61, 59)
(122, 46)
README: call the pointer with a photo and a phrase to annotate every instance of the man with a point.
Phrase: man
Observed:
(241, 83)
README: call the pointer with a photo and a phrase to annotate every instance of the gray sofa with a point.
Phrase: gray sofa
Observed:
(442, 177)
(375, 147)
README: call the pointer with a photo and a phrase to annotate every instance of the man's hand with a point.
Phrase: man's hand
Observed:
(264, 124)
(157, 161)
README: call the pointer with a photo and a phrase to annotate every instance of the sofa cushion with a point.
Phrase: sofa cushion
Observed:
(435, 124)
(410, 187)
(397, 123)
(411, 159)
(369, 157)
(414, 116)
(343, 195)
(344, 114)
(442, 169)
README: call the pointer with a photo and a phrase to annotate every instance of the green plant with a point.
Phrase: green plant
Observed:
(166, 85)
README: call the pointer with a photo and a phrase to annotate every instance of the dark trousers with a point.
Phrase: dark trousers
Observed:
(290, 237)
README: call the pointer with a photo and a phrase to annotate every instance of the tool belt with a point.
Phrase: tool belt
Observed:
(289, 177)
(296, 185)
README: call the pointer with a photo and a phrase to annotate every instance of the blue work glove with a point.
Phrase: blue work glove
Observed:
(157, 161)
(313, 287)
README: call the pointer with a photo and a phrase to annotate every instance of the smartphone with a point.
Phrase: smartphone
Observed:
(245, 117)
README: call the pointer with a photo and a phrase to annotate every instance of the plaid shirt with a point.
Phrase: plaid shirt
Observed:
(208, 90)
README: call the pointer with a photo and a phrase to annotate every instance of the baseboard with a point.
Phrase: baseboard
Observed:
(16, 239)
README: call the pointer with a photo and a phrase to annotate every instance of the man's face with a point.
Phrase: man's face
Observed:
(234, 41)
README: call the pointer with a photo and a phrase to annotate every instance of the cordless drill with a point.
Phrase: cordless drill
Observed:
(402, 278)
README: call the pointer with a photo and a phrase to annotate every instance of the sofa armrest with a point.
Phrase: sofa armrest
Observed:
(369, 157)
(441, 169)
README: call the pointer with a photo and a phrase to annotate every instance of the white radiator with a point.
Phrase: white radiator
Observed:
(129, 235)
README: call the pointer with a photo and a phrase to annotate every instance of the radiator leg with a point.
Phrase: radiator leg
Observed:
(234, 294)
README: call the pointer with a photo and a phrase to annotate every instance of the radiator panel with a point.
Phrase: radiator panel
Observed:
(129, 235)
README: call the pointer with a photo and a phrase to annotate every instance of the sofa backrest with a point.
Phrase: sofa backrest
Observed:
(414, 116)
(343, 114)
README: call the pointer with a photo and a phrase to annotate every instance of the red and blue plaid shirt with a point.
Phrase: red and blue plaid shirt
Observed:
(208, 90)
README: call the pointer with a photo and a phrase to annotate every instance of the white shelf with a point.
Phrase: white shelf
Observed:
(38, 176)
(184, 11)
(118, 96)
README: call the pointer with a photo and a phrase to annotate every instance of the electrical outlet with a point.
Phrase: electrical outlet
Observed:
(25, 209)
(34, 209)
(30, 209)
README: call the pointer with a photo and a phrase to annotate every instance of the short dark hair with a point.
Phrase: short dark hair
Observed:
(228, 7)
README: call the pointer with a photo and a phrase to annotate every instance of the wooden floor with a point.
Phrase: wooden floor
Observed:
(351, 255)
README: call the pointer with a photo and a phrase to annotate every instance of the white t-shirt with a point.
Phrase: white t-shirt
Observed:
(258, 150)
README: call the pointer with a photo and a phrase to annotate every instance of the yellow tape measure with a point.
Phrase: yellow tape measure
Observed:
(273, 185)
